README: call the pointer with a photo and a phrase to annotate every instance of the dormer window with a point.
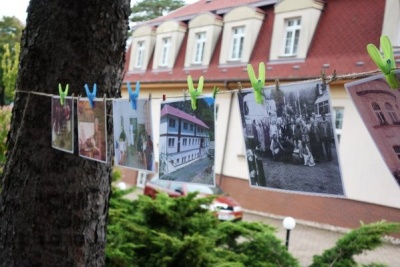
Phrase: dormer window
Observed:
(199, 48)
(237, 43)
(204, 31)
(293, 27)
(295, 23)
(140, 54)
(143, 42)
(166, 45)
(241, 28)
(169, 39)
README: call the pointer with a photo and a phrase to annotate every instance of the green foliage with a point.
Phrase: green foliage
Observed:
(180, 232)
(10, 35)
(150, 9)
(9, 67)
(366, 237)
(5, 117)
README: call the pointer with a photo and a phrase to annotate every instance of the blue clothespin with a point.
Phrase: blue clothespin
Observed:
(194, 93)
(133, 95)
(257, 84)
(62, 93)
(91, 95)
(215, 91)
(386, 61)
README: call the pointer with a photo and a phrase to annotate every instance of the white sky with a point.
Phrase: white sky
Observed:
(18, 8)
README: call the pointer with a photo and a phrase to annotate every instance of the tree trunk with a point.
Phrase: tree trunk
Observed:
(53, 207)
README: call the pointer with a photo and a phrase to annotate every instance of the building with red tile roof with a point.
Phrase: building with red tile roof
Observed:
(297, 41)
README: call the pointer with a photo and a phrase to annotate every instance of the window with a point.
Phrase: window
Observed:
(171, 123)
(338, 121)
(140, 54)
(166, 44)
(171, 142)
(379, 113)
(392, 114)
(199, 47)
(185, 125)
(237, 43)
(184, 141)
(323, 107)
(397, 150)
(191, 127)
(292, 36)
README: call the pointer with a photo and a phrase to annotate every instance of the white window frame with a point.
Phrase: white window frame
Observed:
(199, 48)
(238, 34)
(165, 51)
(292, 36)
(140, 54)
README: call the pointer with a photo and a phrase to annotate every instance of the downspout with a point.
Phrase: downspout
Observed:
(221, 173)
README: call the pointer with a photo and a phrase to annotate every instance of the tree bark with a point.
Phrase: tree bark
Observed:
(53, 205)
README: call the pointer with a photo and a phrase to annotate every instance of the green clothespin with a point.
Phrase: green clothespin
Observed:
(386, 61)
(257, 84)
(215, 91)
(194, 93)
(62, 93)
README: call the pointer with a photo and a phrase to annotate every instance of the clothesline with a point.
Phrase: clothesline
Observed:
(327, 79)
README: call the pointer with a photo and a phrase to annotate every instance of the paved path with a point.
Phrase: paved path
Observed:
(306, 241)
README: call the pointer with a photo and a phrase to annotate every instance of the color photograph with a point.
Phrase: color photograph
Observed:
(62, 121)
(92, 130)
(378, 106)
(290, 139)
(187, 141)
(133, 138)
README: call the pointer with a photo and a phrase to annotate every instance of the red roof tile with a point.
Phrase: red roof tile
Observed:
(168, 110)
(339, 43)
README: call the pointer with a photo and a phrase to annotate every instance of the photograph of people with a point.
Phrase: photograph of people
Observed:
(187, 140)
(62, 121)
(290, 138)
(92, 130)
(378, 106)
(133, 135)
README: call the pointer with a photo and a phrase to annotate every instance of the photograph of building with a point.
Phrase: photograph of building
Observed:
(297, 41)
(378, 106)
(187, 141)
(288, 132)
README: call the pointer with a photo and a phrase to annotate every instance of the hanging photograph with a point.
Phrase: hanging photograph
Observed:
(187, 141)
(62, 124)
(133, 138)
(92, 133)
(378, 106)
(290, 139)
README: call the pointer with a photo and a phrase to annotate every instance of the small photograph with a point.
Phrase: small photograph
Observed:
(133, 138)
(92, 130)
(378, 106)
(187, 141)
(290, 139)
(62, 124)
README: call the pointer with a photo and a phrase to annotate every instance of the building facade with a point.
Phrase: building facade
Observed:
(297, 41)
(183, 139)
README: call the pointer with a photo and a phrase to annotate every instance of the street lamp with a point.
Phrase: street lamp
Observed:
(288, 223)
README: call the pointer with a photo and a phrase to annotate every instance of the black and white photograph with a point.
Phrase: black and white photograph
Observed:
(92, 130)
(290, 139)
(378, 106)
(133, 138)
(187, 141)
(62, 121)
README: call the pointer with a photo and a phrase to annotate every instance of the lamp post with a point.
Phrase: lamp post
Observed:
(288, 223)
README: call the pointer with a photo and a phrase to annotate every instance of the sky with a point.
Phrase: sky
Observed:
(18, 8)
